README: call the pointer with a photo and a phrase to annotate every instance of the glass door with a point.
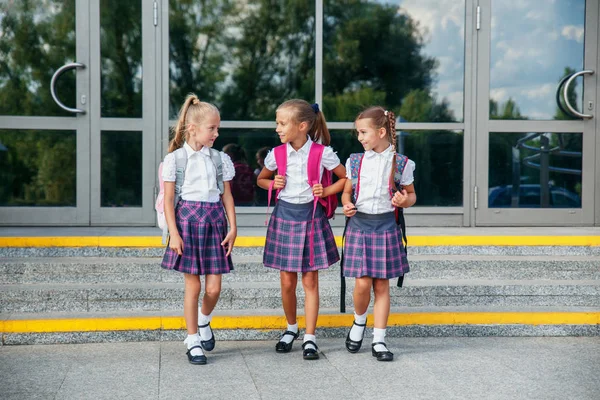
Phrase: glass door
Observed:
(123, 120)
(44, 112)
(536, 112)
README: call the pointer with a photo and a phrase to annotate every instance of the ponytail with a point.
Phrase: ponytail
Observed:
(319, 132)
(192, 110)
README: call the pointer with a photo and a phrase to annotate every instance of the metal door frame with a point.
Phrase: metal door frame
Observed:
(80, 213)
(527, 216)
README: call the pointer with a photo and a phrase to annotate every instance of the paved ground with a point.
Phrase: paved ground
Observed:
(424, 368)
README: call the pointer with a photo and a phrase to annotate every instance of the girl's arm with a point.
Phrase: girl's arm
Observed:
(264, 179)
(175, 242)
(349, 208)
(405, 198)
(227, 198)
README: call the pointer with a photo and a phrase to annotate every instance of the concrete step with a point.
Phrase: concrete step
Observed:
(267, 324)
(503, 250)
(260, 294)
(95, 270)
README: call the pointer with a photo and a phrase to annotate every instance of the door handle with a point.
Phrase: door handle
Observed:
(566, 82)
(58, 73)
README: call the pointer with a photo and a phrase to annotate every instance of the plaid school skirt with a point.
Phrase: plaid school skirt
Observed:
(374, 247)
(202, 227)
(287, 247)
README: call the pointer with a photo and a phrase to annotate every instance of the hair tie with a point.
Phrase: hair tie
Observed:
(195, 101)
(385, 113)
(315, 107)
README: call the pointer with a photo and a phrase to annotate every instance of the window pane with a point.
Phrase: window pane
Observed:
(438, 156)
(245, 57)
(121, 169)
(37, 168)
(407, 55)
(36, 38)
(532, 48)
(121, 58)
(533, 170)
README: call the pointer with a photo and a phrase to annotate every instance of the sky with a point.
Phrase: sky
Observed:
(532, 41)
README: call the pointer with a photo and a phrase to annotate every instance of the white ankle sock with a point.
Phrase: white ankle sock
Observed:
(379, 336)
(312, 338)
(205, 333)
(290, 338)
(191, 341)
(356, 332)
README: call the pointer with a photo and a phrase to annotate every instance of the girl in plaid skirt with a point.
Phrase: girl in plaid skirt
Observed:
(199, 243)
(373, 251)
(287, 247)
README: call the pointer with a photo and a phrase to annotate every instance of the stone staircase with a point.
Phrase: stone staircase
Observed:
(90, 294)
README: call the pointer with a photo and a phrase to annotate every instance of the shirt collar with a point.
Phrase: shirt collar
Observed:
(304, 149)
(190, 152)
(371, 153)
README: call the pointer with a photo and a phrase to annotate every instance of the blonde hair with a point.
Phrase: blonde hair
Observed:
(302, 111)
(192, 111)
(381, 118)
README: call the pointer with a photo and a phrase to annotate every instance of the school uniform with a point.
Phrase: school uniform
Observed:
(287, 245)
(373, 245)
(199, 215)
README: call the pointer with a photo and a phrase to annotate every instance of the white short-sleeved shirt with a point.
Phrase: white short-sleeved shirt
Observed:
(297, 190)
(200, 182)
(374, 195)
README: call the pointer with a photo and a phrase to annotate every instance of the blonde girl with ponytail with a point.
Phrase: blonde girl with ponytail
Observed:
(197, 199)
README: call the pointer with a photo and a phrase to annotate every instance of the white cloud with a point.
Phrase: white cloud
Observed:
(573, 32)
(543, 92)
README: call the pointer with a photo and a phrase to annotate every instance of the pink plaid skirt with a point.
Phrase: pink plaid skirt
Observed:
(287, 247)
(373, 247)
(202, 227)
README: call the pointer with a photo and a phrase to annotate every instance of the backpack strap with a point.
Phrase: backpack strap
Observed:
(355, 165)
(280, 154)
(400, 161)
(180, 165)
(215, 156)
(313, 171)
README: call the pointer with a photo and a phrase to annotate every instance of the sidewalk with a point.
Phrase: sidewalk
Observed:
(424, 368)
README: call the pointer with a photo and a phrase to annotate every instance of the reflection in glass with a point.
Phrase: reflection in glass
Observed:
(247, 149)
(533, 170)
(36, 38)
(407, 55)
(245, 57)
(37, 168)
(532, 47)
(121, 169)
(439, 162)
(121, 58)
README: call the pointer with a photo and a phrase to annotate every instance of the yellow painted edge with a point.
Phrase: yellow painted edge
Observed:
(278, 322)
(259, 241)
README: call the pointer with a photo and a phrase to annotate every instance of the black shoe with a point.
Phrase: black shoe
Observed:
(197, 360)
(310, 353)
(382, 355)
(353, 346)
(283, 347)
(209, 344)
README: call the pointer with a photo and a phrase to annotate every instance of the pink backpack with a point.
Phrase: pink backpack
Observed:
(313, 170)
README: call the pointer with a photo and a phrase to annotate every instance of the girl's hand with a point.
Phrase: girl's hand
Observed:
(279, 182)
(176, 244)
(400, 199)
(317, 190)
(229, 241)
(349, 209)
